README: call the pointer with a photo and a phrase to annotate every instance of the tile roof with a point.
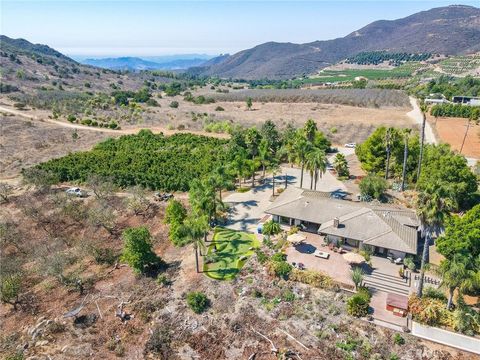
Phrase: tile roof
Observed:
(383, 226)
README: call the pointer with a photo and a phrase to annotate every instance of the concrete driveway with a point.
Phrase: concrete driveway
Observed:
(248, 208)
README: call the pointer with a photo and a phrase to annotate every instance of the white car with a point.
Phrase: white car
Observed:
(351, 145)
(75, 191)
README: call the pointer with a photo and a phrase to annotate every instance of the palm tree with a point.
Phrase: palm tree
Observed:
(387, 148)
(274, 168)
(271, 228)
(406, 134)
(432, 209)
(457, 275)
(340, 164)
(263, 155)
(316, 162)
(195, 228)
(423, 109)
(310, 129)
(252, 166)
(474, 115)
(357, 276)
(301, 148)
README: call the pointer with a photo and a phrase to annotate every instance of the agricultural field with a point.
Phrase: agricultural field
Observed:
(461, 65)
(375, 98)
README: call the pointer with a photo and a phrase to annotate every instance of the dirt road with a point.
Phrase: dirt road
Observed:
(416, 115)
(127, 131)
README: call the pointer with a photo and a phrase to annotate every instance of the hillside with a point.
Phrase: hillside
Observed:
(30, 68)
(447, 30)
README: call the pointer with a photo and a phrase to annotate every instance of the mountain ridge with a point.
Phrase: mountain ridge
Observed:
(447, 30)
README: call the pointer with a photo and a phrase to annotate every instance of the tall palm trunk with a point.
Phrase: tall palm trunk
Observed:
(196, 258)
(404, 170)
(424, 261)
(301, 175)
(465, 136)
(451, 291)
(273, 184)
(316, 177)
(263, 170)
(253, 179)
(422, 141)
(387, 165)
(311, 180)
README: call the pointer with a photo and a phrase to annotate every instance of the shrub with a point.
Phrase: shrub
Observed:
(373, 186)
(429, 311)
(10, 289)
(219, 108)
(261, 256)
(174, 104)
(279, 257)
(137, 249)
(152, 102)
(279, 268)
(434, 293)
(104, 255)
(71, 118)
(175, 212)
(358, 304)
(408, 262)
(197, 301)
(313, 278)
(398, 339)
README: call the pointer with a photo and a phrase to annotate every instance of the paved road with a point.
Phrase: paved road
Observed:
(417, 116)
(249, 207)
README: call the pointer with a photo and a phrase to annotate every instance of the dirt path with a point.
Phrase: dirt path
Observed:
(416, 115)
(127, 131)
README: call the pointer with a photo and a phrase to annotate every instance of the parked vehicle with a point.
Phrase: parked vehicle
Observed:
(162, 196)
(351, 145)
(76, 191)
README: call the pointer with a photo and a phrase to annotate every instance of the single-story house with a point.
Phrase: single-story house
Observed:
(386, 229)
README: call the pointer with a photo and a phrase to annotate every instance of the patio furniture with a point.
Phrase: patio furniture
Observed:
(354, 258)
(321, 254)
(296, 239)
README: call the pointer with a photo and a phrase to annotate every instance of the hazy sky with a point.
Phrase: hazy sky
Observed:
(148, 28)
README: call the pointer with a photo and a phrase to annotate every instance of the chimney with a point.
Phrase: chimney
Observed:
(336, 222)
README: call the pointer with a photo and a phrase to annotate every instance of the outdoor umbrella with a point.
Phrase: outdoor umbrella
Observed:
(354, 258)
(296, 238)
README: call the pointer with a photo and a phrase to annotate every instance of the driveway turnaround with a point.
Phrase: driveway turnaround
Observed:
(249, 207)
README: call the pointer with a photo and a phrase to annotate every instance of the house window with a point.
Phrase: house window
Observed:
(351, 242)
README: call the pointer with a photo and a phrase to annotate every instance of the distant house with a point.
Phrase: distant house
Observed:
(387, 230)
(466, 100)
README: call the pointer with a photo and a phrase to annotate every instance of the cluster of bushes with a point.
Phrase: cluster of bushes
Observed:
(313, 278)
(358, 304)
(151, 160)
(278, 266)
(441, 167)
(89, 122)
(449, 86)
(455, 110)
(199, 100)
(123, 97)
(218, 127)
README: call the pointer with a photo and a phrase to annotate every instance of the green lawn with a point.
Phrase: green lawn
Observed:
(227, 248)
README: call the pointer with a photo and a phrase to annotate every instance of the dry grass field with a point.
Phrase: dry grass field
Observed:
(452, 131)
